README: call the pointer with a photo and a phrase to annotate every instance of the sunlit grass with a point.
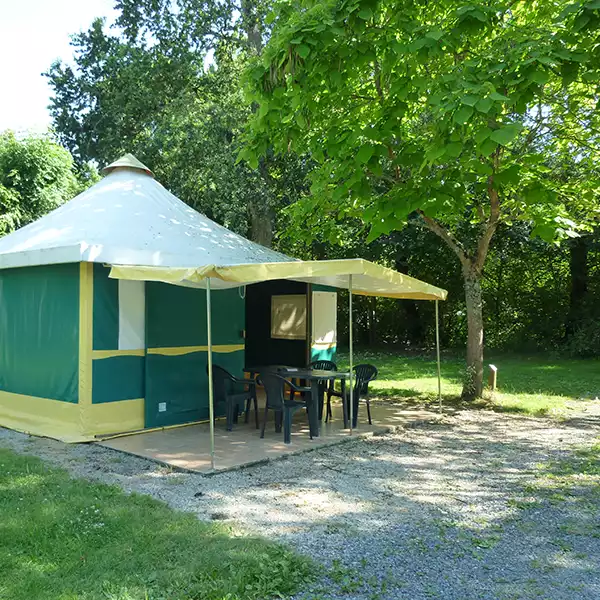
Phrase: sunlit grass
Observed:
(536, 385)
(67, 539)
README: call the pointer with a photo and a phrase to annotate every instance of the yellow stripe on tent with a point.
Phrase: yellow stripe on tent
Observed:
(111, 417)
(181, 350)
(41, 416)
(100, 354)
(86, 328)
(62, 420)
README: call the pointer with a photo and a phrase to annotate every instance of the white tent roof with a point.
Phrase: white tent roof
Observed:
(128, 218)
(130, 221)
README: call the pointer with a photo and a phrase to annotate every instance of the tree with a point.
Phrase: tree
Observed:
(164, 84)
(36, 176)
(443, 114)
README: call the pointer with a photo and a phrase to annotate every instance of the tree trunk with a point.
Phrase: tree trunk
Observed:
(261, 219)
(414, 325)
(473, 384)
(251, 24)
(472, 264)
(579, 271)
(261, 225)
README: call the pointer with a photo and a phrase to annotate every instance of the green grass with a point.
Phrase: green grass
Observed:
(573, 479)
(531, 384)
(67, 539)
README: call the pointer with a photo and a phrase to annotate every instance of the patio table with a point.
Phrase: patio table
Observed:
(314, 376)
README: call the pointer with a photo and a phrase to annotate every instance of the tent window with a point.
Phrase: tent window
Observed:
(288, 317)
(132, 315)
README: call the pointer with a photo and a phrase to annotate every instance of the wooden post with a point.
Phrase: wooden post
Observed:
(492, 380)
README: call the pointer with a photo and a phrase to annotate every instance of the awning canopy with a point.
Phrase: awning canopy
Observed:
(368, 278)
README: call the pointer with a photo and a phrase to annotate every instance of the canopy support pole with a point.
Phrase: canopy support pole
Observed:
(211, 406)
(437, 345)
(351, 351)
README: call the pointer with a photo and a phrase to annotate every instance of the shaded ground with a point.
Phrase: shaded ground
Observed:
(476, 505)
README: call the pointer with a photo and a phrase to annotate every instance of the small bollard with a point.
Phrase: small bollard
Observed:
(492, 380)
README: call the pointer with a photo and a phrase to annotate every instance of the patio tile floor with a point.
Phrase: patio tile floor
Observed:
(188, 447)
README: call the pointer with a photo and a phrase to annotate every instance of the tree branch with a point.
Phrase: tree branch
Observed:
(492, 223)
(377, 77)
(446, 235)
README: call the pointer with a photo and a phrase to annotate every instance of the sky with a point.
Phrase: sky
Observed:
(33, 34)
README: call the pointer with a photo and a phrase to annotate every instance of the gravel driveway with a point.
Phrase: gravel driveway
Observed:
(460, 508)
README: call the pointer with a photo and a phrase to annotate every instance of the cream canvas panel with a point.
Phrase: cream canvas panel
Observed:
(288, 317)
(132, 315)
(368, 278)
(324, 318)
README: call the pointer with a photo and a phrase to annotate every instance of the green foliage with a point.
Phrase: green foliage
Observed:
(428, 107)
(36, 176)
(585, 341)
(163, 83)
(533, 384)
(439, 113)
(66, 538)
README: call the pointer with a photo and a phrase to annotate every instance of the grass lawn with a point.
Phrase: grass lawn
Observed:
(67, 539)
(531, 384)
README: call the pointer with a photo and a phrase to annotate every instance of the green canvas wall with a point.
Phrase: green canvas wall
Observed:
(176, 379)
(117, 377)
(39, 331)
(106, 310)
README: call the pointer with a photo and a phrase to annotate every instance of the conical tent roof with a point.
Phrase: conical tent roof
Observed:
(132, 223)
(128, 218)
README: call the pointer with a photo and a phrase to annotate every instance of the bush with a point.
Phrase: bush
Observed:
(585, 342)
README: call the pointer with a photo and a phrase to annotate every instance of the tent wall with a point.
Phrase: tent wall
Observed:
(176, 379)
(323, 323)
(118, 372)
(113, 400)
(261, 348)
(39, 343)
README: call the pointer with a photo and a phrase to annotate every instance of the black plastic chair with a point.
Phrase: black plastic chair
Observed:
(325, 386)
(276, 401)
(235, 393)
(363, 374)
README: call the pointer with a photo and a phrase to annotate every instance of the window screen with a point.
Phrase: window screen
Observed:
(288, 317)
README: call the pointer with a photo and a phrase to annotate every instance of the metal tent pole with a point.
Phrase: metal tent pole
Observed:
(351, 350)
(211, 407)
(437, 343)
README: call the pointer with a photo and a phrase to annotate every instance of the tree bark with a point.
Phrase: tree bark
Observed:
(472, 264)
(473, 383)
(252, 24)
(261, 219)
(261, 224)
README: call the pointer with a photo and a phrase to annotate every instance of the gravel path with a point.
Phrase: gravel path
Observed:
(450, 509)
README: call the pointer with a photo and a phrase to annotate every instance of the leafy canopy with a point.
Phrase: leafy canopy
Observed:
(36, 176)
(164, 84)
(443, 109)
